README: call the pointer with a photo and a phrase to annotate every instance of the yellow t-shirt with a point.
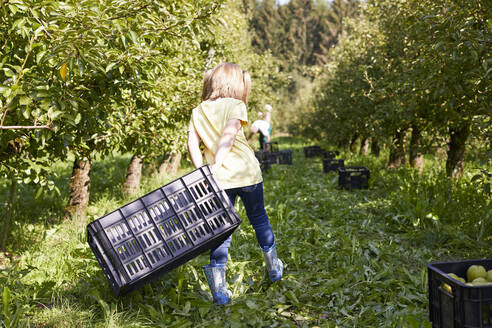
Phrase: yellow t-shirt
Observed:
(240, 167)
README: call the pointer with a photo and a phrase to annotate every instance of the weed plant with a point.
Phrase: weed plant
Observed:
(352, 258)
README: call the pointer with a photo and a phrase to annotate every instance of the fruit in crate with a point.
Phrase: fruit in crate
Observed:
(480, 281)
(447, 288)
(489, 275)
(455, 277)
(474, 272)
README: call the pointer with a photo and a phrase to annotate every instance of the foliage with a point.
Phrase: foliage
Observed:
(299, 32)
(369, 249)
(97, 73)
(435, 79)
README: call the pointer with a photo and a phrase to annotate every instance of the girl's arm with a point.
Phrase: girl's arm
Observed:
(194, 148)
(226, 141)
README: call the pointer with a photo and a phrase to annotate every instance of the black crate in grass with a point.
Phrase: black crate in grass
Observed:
(332, 165)
(271, 147)
(285, 157)
(312, 151)
(353, 177)
(158, 232)
(266, 159)
(265, 166)
(330, 153)
(462, 305)
(266, 156)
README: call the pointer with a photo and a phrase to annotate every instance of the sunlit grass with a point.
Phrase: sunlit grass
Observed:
(352, 258)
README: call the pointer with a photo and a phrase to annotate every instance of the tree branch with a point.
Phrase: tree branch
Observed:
(25, 127)
(45, 30)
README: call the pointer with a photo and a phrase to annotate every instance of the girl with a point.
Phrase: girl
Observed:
(218, 122)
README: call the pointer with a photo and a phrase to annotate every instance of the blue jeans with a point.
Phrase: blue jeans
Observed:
(252, 197)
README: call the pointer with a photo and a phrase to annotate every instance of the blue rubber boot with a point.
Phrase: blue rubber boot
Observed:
(274, 265)
(216, 277)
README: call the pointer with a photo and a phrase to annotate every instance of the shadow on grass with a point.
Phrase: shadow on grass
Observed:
(32, 216)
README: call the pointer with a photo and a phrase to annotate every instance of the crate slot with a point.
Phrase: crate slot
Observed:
(199, 232)
(127, 250)
(179, 243)
(118, 232)
(170, 227)
(200, 190)
(210, 206)
(160, 210)
(190, 217)
(139, 221)
(158, 255)
(219, 222)
(136, 266)
(180, 200)
(149, 238)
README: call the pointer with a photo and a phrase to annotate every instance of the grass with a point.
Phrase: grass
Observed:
(352, 259)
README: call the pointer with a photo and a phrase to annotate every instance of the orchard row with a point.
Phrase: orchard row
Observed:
(411, 75)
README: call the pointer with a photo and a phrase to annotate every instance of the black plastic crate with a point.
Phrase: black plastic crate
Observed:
(330, 153)
(312, 151)
(262, 158)
(353, 177)
(267, 157)
(162, 230)
(462, 305)
(265, 166)
(332, 165)
(285, 157)
(271, 147)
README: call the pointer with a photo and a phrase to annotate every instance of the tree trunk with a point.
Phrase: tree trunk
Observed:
(79, 190)
(150, 168)
(364, 146)
(456, 151)
(375, 149)
(416, 155)
(170, 164)
(397, 151)
(173, 166)
(8, 215)
(133, 175)
(163, 166)
(344, 145)
(353, 143)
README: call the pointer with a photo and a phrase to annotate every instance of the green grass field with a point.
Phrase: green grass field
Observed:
(352, 258)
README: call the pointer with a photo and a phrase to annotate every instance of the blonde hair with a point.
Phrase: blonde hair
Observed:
(227, 80)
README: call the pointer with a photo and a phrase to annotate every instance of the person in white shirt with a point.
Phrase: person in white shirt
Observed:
(263, 127)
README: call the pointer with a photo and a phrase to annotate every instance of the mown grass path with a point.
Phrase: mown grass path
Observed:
(352, 258)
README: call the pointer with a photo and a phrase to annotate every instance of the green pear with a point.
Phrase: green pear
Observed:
(474, 272)
(489, 275)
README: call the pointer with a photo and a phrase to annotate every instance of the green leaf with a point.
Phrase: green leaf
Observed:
(110, 66)
(24, 101)
(39, 192)
(6, 298)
